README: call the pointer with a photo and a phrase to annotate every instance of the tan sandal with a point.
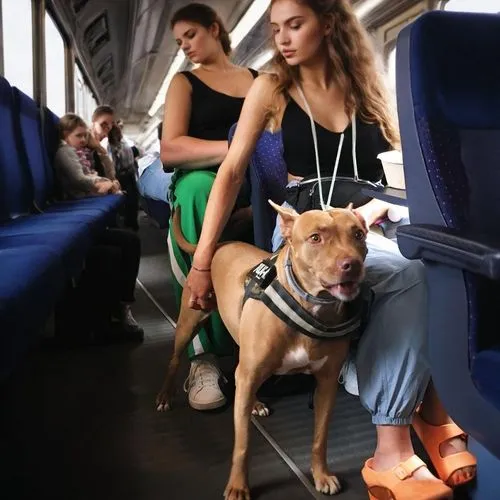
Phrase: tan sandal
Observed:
(398, 484)
(431, 437)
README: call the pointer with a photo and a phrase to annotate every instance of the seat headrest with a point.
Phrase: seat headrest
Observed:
(455, 68)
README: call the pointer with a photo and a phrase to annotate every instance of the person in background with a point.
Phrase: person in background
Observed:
(107, 284)
(153, 182)
(125, 168)
(102, 122)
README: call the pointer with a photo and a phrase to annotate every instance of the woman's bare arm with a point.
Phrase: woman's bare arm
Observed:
(177, 148)
(231, 173)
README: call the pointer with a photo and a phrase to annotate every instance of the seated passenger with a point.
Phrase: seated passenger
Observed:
(325, 69)
(74, 161)
(112, 264)
(123, 159)
(200, 108)
(153, 182)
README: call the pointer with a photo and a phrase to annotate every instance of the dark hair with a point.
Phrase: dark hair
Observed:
(68, 123)
(115, 135)
(102, 110)
(200, 13)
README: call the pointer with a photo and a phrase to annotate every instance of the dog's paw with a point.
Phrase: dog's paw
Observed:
(163, 403)
(260, 410)
(236, 492)
(166, 406)
(328, 485)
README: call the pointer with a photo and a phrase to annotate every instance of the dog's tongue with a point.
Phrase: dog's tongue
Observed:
(346, 288)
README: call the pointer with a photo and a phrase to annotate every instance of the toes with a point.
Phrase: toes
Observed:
(260, 410)
(462, 476)
(328, 485)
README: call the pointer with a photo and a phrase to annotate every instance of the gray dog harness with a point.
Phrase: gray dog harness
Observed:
(262, 284)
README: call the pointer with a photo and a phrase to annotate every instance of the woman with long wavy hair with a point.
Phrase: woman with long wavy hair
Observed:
(326, 80)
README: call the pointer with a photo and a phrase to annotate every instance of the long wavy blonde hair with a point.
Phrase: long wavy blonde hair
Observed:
(353, 66)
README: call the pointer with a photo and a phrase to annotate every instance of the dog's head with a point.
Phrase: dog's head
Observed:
(328, 249)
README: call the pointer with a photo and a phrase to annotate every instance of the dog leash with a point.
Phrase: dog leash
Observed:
(339, 151)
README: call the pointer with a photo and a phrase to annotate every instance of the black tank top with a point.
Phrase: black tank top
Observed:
(212, 113)
(298, 147)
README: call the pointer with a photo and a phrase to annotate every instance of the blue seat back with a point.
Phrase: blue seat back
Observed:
(50, 135)
(30, 128)
(16, 194)
(448, 87)
(268, 179)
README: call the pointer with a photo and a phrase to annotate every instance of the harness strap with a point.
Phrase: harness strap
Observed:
(262, 284)
(281, 303)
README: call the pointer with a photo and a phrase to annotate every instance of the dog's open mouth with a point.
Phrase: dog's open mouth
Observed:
(343, 290)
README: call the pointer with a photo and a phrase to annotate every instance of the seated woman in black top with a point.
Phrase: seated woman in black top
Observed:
(200, 108)
(324, 63)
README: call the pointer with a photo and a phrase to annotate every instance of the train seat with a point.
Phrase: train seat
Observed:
(449, 111)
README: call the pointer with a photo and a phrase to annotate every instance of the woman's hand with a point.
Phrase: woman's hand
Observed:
(199, 283)
(373, 211)
(103, 186)
(93, 143)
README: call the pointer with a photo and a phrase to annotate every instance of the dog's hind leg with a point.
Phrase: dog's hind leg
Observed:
(188, 324)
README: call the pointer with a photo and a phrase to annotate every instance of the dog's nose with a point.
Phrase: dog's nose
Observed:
(346, 264)
(350, 265)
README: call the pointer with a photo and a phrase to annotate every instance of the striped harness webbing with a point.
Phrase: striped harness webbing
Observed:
(262, 284)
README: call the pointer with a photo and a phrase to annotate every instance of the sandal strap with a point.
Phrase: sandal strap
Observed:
(399, 484)
(432, 436)
(436, 433)
(405, 469)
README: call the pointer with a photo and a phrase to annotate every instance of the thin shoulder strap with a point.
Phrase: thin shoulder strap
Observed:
(254, 72)
(193, 79)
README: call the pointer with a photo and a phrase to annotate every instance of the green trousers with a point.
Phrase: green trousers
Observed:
(190, 191)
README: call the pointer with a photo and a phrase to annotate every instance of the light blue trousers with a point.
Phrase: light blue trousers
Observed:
(391, 357)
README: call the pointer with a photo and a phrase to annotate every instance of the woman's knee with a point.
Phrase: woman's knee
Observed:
(194, 187)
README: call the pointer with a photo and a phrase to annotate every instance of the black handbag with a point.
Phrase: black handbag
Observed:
(305, 195)
(308, 194)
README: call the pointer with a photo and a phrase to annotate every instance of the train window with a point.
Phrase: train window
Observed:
(487, 6)
(18, 44)
(56, 67)
(85, 102)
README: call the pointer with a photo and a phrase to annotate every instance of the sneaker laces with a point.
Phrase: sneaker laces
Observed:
(203, 374)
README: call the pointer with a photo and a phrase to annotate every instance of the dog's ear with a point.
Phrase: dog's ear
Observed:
(350, 206)
(359, 217)
(288, 216)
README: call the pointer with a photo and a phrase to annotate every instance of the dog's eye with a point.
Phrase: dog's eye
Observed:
(315, 238)
(359, 235)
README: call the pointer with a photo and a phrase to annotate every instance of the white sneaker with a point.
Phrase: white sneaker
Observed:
(202, 385)
(349, 377)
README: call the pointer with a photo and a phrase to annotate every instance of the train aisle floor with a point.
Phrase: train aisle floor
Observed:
(81, 424)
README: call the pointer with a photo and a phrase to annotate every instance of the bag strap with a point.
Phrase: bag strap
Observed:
(339, 151)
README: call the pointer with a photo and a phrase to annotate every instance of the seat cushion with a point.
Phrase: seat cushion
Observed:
(70, 241)
(32, 281)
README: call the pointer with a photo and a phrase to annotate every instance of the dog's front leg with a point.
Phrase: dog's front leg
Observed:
(324, 398)
(244, 400)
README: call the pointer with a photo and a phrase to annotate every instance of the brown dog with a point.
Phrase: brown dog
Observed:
(324, 252)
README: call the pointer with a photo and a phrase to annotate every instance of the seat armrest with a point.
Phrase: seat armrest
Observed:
(475, 253)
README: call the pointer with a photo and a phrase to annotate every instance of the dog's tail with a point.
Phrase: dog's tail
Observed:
(184, 244)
